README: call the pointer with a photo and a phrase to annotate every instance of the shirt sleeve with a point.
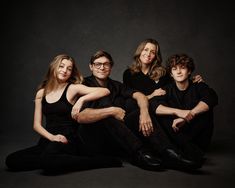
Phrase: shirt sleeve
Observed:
(127, 78)
(207, 94)
(126, 91)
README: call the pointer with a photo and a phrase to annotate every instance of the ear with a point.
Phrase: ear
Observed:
(91, 67)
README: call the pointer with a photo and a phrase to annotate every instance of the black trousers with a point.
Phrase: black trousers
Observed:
(193, 138)
(110, 137)
(101, 137)
(56, 157)
(158, 140)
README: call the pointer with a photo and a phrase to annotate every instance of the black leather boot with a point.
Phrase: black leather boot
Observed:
(147, 161)
(174, 160)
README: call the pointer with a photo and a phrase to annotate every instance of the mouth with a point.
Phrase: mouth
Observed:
(63, 75)
(147, 59)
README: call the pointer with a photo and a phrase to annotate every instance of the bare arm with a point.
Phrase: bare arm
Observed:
(156, 92)
(37, 124)
(188, 115)
(145, 122)
(87, 94)
(201, 107)
(91, 115)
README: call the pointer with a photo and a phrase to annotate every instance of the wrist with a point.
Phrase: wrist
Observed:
(193, 112)
(176, 112)
(51, 137)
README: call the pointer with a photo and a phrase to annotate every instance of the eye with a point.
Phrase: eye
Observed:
(146, 49)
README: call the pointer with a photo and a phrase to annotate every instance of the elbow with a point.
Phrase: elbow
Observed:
(106, 91)
(35, 127)
(79, 118)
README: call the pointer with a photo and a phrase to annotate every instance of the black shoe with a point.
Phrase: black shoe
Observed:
(147, 161)
(174, 160)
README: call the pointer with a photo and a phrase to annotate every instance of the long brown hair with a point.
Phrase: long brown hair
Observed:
(156, 69)
(50, 82)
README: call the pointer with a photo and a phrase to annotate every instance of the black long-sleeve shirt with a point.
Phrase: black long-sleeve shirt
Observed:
(144, 83)
(117, 97)
(188, 98)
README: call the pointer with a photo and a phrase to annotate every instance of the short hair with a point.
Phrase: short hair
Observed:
(180, 59)
(99, 54)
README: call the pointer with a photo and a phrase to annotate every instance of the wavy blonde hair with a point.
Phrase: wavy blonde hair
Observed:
(50, 81)
(156, 69)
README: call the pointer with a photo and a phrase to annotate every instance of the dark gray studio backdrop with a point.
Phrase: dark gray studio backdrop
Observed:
(34, 32)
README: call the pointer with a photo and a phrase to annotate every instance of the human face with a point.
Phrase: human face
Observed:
(64, 70)
(148, 54)
(180, 73)
(101, 68)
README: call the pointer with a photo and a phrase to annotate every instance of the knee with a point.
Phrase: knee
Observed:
(12, 161)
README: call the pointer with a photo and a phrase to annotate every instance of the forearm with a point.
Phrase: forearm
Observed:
(142, 101)
(150, 96)
(90, 115)
(165, 110)
(42, 131)
(98, 93)
(201, 107)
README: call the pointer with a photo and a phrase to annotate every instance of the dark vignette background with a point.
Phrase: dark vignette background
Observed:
(33, 32)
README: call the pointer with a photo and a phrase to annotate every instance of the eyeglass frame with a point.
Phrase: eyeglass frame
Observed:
(106, 65)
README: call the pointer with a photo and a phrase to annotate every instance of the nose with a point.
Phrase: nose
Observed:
(178, 70)
(102, 66)
(64, 69)
(148, 53)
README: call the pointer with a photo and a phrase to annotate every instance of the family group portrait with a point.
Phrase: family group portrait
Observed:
(117, 94)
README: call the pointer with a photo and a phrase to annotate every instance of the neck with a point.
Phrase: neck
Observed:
(145, 68)
(61, 85)
(102, 83)
(182, 85)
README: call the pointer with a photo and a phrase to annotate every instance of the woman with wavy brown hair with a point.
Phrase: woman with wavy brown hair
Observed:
(147, 74)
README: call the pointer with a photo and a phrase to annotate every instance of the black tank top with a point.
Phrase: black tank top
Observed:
(58, 116)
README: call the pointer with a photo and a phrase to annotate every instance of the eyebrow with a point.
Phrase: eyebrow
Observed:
(101, 62)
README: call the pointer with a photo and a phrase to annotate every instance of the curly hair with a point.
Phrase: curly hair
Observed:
(180, 59)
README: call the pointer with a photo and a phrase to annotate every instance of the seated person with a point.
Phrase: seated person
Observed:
(186, 110)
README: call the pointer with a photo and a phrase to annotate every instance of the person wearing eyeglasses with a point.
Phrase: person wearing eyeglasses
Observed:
(58, 149)
(107, 120)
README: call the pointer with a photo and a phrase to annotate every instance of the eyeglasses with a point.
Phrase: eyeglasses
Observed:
(105, 65)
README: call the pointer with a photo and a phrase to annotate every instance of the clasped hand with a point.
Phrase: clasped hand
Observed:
(183, 117)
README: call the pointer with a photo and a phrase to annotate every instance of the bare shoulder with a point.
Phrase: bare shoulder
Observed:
(39, 94)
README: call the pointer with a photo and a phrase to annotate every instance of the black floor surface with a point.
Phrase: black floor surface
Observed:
(218, 171)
